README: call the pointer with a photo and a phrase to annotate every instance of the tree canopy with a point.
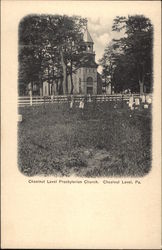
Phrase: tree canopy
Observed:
(127, 61)
(49, 49)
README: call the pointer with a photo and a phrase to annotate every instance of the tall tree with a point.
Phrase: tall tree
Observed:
(133, 53)
(108, 63)
(47, 45)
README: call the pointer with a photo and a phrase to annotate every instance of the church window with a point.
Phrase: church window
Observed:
(90, 85)
(90, 81)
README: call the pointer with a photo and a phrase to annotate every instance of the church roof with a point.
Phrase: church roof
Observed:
(87, 37)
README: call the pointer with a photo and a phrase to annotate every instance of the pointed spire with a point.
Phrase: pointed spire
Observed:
(87, 37)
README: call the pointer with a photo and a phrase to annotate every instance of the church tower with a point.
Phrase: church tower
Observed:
(85, 78)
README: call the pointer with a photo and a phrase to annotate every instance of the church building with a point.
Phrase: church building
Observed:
(86, 79)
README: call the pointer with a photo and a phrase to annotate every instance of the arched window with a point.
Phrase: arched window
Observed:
(90, 81)
(90, 85)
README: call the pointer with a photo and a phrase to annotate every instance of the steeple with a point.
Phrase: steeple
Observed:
(88, 42)
(87, 37)
(87, 48)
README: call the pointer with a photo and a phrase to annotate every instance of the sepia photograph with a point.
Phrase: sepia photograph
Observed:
(85, 90)
(81, 124)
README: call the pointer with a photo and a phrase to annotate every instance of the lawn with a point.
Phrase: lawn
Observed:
(101, 141)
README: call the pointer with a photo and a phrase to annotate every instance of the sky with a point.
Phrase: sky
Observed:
(101, 33)
(100, 29)
(100, 15)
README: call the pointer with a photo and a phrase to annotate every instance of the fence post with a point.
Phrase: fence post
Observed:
(122, 100)
(30, 93)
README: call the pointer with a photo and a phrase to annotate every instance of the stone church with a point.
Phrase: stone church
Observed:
(86, 79)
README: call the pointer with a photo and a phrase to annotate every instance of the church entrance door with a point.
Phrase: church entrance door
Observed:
(90, 85)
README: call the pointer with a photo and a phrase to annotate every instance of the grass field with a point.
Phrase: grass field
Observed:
(100, 141)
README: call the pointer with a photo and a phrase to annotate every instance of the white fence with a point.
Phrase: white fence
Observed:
(39, 100)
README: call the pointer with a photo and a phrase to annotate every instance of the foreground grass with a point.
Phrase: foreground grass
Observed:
(100, 141)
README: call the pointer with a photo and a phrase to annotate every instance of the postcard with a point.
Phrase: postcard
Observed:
(81, 124)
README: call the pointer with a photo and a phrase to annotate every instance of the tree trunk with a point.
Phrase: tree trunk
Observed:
(48, 75)
(60, 87)
(64, 82)
(141, 76)
(41, 86)
(57, 87)
(72, 85)
(71, 78)
(141, 87)
(53, 82)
